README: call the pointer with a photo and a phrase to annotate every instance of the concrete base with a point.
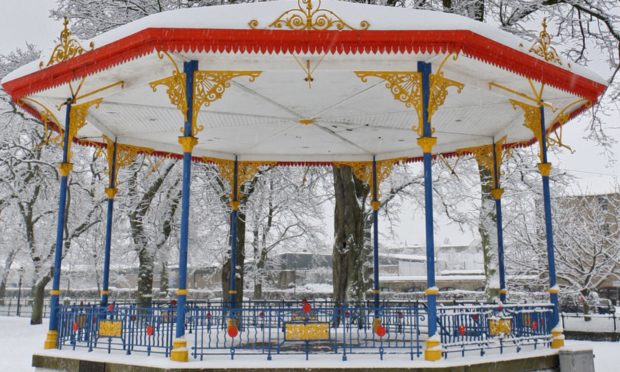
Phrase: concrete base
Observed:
(576, 360)
(525, 363)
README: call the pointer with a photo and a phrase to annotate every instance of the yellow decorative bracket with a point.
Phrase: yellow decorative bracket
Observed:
(307, 17)
(363, 172)
(209, 86)
(543, 47)
(77, 120)
(47, 116)
(67, 48)
(246, 171)
(125, 156)
(485, 158)
(406, 87)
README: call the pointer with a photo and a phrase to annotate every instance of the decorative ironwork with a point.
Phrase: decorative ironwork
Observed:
(306, 331)
(209, 86)
(500, 326)
(125, 156)
(485, 158)
(543, 47)
(307, 17)
(406, 87)
(47, 116)
(363, 170)
(68, 47)
(77, 120)
(246, 171)
(175, 89)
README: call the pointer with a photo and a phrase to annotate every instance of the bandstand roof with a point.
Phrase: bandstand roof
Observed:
(282, 117)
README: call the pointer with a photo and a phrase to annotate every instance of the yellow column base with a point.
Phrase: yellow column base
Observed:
(51, 340)
(432, 350)
(557, 338)
(179, 351)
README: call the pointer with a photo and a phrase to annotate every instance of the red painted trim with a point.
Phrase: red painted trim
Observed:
(279, 41)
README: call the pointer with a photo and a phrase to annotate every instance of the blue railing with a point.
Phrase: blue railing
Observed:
(272, 328)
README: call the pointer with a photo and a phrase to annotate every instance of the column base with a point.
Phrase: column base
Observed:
(179, 351)
(432, 349)
(51, 341)
(557, 338)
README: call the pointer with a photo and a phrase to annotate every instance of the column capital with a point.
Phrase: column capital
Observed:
(182, 292)
(65, 168)
(234, 205)
(427, 143)
(544, 169)
(188, 143)
(111, 192)
(433, 291)
(375, 204)
(497, 193)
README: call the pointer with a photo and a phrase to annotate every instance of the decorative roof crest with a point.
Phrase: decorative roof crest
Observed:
(307, 17)
(67, 48)
(542, 47)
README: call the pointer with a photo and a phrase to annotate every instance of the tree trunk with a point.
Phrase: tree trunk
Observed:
(240, 253)
(260, 275)
(145, 278)
(488, 235)
(163, 278)
(2, 291)
(38, 298)
(351, 274)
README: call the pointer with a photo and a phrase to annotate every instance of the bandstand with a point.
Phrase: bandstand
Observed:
(290, 83)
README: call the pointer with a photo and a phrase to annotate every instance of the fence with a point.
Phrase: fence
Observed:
(273, 328)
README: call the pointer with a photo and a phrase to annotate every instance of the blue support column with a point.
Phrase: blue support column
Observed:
(111, 192)
(497, 193)
(427, 141)
(375, 222)
(545, 170)
(233, 237)
(51, 342)
(179, 349)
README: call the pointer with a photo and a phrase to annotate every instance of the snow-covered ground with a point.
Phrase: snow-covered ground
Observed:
(19, 340)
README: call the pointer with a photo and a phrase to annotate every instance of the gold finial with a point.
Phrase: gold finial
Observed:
(307, 17)
(68, 47)
(543, 47)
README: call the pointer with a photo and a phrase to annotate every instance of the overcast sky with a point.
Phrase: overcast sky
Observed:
(23, 21)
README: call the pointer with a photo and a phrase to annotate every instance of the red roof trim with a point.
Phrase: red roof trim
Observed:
(279, 41)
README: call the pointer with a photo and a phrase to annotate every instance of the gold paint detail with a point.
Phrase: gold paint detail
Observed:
(503, 291)
(314, 331)
(234, 205)
(179, 351)
(125, 156)
(209, 86)
(426, 144)
(553, 290)
(432, 350)
(188, 143)
(55, 292)
(308, 17)
(111, 192)
(306, 121)
(47, 116)
(557, 338)
(496, 194)
(544, 169)
(67, 48)
(232, 292)
(500, 327)
(431, 291)
(51, 340)
(77, 120)
(406, 87)
(175, 89)
(64, 169)
(375, 291)
(105, 292)
(485, 159)
(182, 292)
(542, 47)
(246, 171)
(375, 204)
(110, 328)
(363, 170)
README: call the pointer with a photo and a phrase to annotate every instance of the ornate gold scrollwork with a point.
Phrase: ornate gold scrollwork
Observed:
(125, 156)
(175, 89)
(47, 116)
(77, 120)
(485, 158)
(406, 87)
(542, 47)
(246, 171)
(363, 170)
(307, 17)
(67, 48)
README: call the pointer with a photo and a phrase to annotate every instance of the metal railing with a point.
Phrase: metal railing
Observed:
(312, 327)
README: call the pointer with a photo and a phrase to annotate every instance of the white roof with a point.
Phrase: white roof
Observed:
(352, 120)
